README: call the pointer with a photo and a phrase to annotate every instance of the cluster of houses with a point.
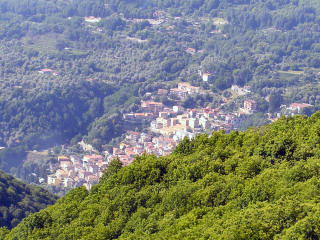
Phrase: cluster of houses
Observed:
(74, 171)
(168, 126)
(136, 143)
(151, 109)
(178, 122)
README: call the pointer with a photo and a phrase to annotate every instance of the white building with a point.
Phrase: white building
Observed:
(92, 19)
(206, 77)
(53, 180)
(205, 124)
(297, 107)
(177, 109)
(193, 123)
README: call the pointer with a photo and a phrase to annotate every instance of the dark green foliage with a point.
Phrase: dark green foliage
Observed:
(11, 157)
(275, 101)
(18, 200)
(257, 119)
(113, 167)
(259, 184)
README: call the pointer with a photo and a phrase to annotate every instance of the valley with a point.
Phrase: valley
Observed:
(157, 119)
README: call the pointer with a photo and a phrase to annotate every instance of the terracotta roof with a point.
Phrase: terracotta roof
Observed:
(46, 70)
(300, 105)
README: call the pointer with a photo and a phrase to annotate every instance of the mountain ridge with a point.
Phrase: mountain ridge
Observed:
(262, 183)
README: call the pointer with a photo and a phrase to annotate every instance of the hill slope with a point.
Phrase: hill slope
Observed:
(18, 200)
(258, 184)
(272, 46)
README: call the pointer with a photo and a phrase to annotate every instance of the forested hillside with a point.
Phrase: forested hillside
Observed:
(259, 184)
(65, 76)
(18, 200)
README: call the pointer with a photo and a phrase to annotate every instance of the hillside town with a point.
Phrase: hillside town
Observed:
(167, 126)
(74, 171)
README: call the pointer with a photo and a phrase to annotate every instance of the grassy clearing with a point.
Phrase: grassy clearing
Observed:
(43, 43)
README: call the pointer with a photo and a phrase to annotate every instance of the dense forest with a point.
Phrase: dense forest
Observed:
(262, 183)
(18, 200)
(99, 70)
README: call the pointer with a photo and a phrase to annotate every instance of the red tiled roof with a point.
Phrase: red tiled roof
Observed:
(300, 105)
(46, 70)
